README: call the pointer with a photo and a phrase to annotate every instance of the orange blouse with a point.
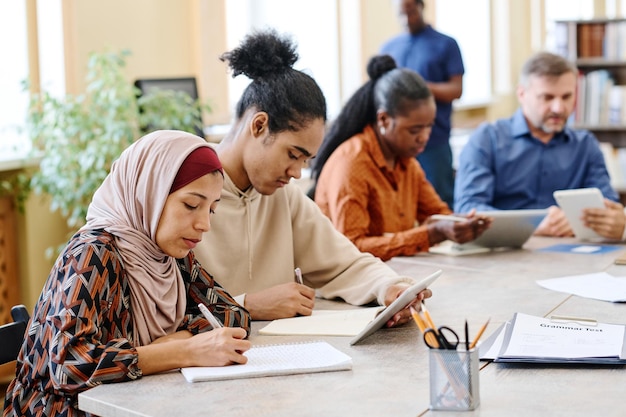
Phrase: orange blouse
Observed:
(378, 209)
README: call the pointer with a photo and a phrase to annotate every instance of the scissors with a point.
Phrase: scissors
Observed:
(445, 338)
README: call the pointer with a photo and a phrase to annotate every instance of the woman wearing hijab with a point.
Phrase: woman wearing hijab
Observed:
(122, 299)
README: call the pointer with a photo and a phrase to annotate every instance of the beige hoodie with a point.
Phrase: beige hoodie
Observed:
(256, 241)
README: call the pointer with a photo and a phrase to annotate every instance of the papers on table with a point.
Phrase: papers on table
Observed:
(324, 323)
(600, 286)
(537, 339)
(280, 359)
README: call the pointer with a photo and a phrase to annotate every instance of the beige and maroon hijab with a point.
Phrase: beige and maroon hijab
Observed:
(129, 204)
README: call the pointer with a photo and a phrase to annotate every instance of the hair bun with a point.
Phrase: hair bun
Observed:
(379, 65)
(262, 54)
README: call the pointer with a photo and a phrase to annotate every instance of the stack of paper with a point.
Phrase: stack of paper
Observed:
(537, 339)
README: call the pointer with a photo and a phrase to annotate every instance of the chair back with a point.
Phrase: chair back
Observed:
(12, 334)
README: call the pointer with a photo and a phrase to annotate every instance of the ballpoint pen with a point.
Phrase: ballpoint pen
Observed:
(210, 317)
(299, 276)
(467, 342)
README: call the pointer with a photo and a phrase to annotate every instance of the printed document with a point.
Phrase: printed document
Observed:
(541, 338)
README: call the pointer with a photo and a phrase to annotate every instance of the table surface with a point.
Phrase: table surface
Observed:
(390, 368)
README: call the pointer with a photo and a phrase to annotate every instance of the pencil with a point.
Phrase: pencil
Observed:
(422, 326)
(480, 333)
(429, 319)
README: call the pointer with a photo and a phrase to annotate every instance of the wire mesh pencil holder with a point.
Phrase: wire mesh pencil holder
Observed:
(454, 379)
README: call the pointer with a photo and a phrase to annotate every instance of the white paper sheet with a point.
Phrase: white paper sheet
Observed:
(599, 286)
(539, 337)
(324, 323)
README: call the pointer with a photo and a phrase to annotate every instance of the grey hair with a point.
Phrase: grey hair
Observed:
(546, 64)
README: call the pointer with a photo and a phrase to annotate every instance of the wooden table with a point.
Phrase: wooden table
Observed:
(390, 368)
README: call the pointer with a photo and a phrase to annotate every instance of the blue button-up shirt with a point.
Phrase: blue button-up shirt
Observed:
(503, 167)
(436, 57)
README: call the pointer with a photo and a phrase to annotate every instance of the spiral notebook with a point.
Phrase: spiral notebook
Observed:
(279, 359)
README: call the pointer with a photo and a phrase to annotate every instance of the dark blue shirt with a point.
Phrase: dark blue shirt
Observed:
(504, 167)
(436, 57)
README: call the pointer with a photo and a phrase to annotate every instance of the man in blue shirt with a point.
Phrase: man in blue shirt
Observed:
(437, 58)
(517, 163)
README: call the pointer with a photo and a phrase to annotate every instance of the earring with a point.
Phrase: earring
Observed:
(383, 130)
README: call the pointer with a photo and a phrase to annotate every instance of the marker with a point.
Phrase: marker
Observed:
(210, 317)
(299, 276)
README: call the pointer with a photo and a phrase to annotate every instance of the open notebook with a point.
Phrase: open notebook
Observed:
(279, 359)
(348, 322)
(359, 323)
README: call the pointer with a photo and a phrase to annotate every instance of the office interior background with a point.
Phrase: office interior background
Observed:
(48, 42)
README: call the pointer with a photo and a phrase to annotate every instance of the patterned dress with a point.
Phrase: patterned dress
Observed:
(81, 333)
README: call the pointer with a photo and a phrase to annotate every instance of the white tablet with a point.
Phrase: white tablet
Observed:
(399, 303)
(572, 202)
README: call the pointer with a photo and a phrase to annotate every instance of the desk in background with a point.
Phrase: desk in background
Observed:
(390, 369)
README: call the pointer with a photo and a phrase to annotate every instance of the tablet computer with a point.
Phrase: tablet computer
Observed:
(399, 303)
(509, 229)
(572, 202)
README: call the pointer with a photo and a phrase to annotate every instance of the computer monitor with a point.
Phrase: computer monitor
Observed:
(185, 84)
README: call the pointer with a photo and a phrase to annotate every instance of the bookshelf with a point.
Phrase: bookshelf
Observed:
(598, 47)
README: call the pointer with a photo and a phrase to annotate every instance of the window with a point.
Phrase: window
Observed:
(474, 41)
(317, 43)
(14, 141)
(13, 100)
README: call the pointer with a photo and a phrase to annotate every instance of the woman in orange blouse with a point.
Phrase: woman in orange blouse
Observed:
(368, 181)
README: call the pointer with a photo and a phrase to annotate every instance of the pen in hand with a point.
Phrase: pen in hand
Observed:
(299, 276)
(210, 317)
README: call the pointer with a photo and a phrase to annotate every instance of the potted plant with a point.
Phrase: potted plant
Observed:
(79, 137)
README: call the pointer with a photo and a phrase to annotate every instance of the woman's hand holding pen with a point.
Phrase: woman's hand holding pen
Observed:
(280, 301)
(403, 315)
(218, 347)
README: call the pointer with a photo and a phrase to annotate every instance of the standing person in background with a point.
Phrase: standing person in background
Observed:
(122, 298)
(370, 185)
(437, 58)
(266, 227)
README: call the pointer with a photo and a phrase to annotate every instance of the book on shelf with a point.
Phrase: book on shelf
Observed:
(590, 40)
(566, 39)
(601, 38)
(593, 98)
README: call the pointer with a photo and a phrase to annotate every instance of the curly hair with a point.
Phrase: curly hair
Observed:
(290, 97)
